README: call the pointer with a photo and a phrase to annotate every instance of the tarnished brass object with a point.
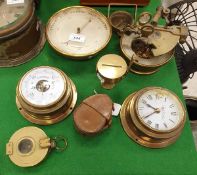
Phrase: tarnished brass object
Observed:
(45, 95)
(111, 69)
(153, 117)
(22, 35)
(30, 145)
(151, 45)
(119, 20)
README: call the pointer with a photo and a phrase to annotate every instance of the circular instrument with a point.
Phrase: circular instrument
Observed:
(110, 70)
(153, 117)
(78, 32)
(45, 95)
(145, 62)
(30, 145)
(144, 18)
(18, 26)
(119, 20)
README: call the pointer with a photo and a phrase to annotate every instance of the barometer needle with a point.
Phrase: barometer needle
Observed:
(79, 29)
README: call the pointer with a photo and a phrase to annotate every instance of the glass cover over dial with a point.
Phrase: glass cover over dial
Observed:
(78, 31)
(13, 13)
(160, 110)
(42, 86)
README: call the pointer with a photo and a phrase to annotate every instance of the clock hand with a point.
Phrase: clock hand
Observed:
(150, 106)
(79, 29)
(155, 111)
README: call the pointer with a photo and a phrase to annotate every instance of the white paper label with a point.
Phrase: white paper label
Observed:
(9, 2)
(116, 109)
(77, 38)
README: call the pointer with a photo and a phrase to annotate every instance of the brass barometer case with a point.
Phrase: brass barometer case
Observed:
(153, 117)
(29, 146)
(78, 32)
(110, 70)
(151, 45)
(45, 95)
(22, 35)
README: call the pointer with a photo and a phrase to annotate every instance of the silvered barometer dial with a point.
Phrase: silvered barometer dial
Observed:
(45, 95)
(153, 117)
(78, 31)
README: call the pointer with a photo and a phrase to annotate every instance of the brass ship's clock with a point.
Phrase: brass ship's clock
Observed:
(153, 117)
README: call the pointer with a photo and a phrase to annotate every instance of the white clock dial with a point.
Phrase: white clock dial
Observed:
(11, 13)
(160, 110)
(78, 31)
(42, 86)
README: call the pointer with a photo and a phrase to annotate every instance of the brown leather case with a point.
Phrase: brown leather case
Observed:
(107, 2)
(93, 115)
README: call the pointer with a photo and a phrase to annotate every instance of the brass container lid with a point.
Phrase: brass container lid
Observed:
(24, 149)
(110, 69)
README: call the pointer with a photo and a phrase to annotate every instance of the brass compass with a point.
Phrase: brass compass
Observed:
(21, 34)
(45, 95)
(153, 117)
(30, 145)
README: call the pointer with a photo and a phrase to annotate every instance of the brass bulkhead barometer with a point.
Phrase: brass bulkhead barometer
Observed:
(21, 34)
(153, 117)
(45, 95)
(78, 32)
(29, 146)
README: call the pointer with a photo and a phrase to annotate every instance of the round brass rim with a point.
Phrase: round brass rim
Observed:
(116, 12)
(54, 117)
(79, 55)
(21, 22)
(19, 92)
(138, 136)
(29, 56)
(36, 155)
(143, 73)
(142, 126)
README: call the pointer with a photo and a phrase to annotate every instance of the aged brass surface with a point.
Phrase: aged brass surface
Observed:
(73, 48)
(61, 105)
(119, 20)
(29, 146)
(15, 48)
(140, 131)
(110, 69)
(151, 45)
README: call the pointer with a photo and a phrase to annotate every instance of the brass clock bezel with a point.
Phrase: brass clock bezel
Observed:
(139, 131)
(79, 56)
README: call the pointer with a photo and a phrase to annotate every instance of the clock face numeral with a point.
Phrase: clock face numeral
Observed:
(149, 97)
(165, 125)
(157, 126)
(149, 122)
(172, 106)
(171, 120)
(144, 101)
(159, 110)
(174, 113)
